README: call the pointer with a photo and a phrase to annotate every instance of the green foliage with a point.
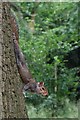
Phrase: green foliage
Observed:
(55, 34)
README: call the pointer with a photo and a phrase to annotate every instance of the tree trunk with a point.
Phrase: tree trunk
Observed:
(12, 104)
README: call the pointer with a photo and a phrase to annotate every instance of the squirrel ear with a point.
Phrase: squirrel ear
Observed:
(41, 83)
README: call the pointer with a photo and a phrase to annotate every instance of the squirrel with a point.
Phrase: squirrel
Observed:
(30, 84)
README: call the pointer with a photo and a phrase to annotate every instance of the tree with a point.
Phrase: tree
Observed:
(11, 98)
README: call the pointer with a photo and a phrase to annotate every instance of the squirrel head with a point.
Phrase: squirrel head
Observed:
(36, 87)
(41, 89)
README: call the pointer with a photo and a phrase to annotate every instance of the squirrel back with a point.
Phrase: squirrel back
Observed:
(21, 63)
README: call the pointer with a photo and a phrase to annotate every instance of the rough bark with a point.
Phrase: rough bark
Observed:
(12, 104)
(1, 40)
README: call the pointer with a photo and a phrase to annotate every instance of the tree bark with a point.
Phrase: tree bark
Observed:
(12, 104)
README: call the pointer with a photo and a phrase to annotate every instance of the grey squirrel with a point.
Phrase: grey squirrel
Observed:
(29, 83)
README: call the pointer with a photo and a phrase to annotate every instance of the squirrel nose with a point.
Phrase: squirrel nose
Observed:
(45, 94)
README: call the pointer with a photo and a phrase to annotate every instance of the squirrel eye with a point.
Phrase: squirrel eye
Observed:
(43, 89)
